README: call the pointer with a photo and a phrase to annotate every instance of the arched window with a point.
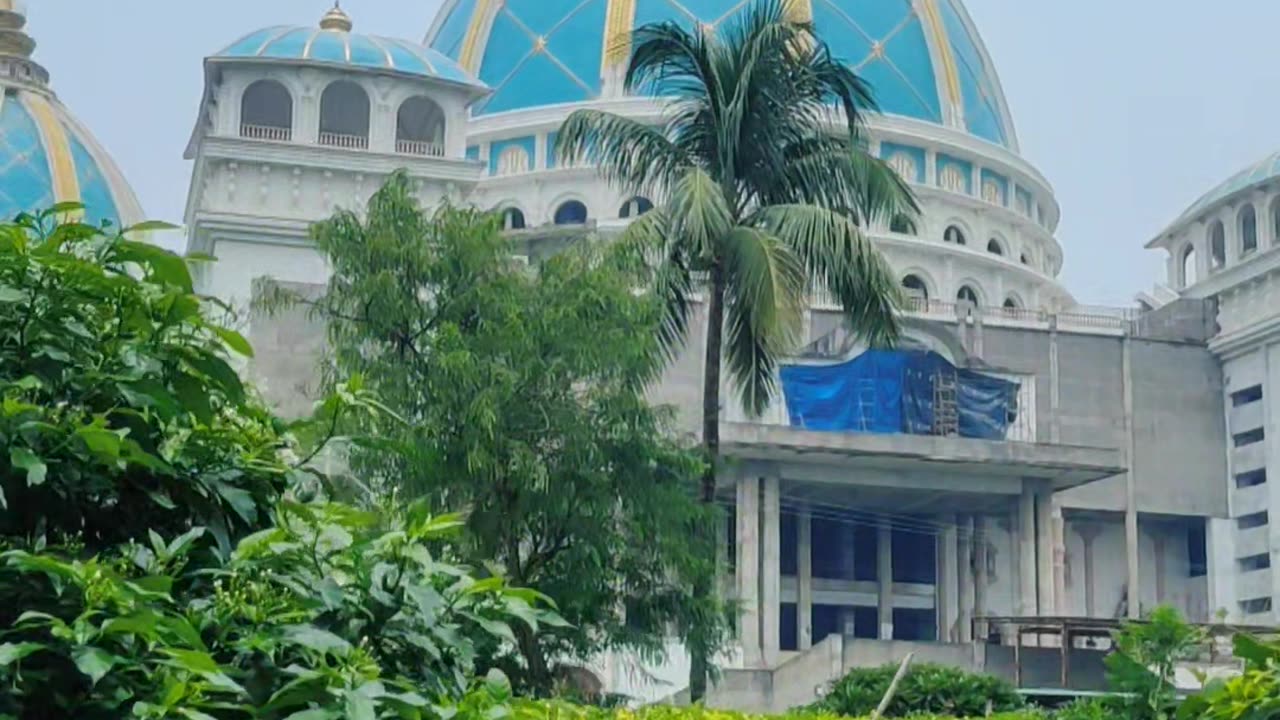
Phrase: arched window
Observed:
(1026, 260)
(1248, 229)
(905, 165)
(344, 116)
(571, 212)
(915, 288)
(952, 178)
(992, 192)
(513, 160)
(994, 247)
(1189, 275)
(1217, 245)
(635, 207)
(903, 225)
(420, 127)
(1275, 221)
(967, 294)
(954, 234)
(1011, 303)
(512, 219)
(266, 111)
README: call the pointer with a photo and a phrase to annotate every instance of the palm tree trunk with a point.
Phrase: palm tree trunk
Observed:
(698, 651)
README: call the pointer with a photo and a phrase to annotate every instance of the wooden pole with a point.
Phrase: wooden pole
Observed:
(893, 687)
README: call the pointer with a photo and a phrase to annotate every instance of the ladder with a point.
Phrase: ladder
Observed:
(946, 412)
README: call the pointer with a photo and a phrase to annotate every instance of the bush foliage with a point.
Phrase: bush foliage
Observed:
(926, 688)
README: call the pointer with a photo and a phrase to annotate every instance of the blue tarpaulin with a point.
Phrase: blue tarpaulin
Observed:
(892, 391)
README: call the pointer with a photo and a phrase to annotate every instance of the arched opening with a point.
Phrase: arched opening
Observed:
(953, 234)
(1248, 229)
(1217, 245)
(344, 116)
(1026, 260)
(967, 294)
(512, 219)
(635, 207)
(420, 127)
(1275, 221)
(994, 247)
(1189, 276)
(266, 111)
(917, 290)
(571, 212)
(902, 225)
(1011, 303)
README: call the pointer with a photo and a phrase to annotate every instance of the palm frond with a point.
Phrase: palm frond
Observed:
(649, 241)
(700, 215)
(838, 256)
(628, 153)
(764, 297)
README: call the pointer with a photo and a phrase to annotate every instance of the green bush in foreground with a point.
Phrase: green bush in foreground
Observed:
(926, 688)
(563, 711)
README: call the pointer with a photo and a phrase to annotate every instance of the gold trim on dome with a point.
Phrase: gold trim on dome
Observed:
(932, 18)
(619, 22)
(62, 167)
(336, 19)
(799, 11)
(472, 48)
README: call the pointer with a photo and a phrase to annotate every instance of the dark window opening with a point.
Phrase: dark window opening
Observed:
(1256, 606)
(1246, 396)
(1255, 562)
(1252, 478)
(571, 213)
(789, 544)
(914, 555)
(1249, 437)
(788, 630)
(1255, 520)
(916, 625)
(1197, 551)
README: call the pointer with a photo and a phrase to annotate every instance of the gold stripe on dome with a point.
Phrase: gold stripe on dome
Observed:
(473, 41)
(62, 167)
(619, 21)
(932, 20)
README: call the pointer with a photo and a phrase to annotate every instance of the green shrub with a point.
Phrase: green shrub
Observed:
(551, 710)
(926, 688)
(1091, 709)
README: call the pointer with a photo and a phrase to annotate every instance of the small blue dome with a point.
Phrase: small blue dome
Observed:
(923, 58)
(47, 157)
(338, 46)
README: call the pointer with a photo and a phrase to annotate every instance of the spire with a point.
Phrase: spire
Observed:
(16, 47)
(335, 19)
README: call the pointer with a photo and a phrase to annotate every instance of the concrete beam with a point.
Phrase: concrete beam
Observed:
(804, 580)
(964, 570)
(947, 584)
(1028, 600)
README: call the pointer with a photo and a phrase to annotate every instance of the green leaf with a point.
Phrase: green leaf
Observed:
(149, 226)
(314, 714)
(94, 662)
(13, 652)
(100, 441)
(193, 660)
(139, 623)
(235, 341)
(359, 707)
(23, 459)
(11, 295)
(313, 638)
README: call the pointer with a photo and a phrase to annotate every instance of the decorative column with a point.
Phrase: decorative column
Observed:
(748, 572)
(947, 586)
(804, 580)
(884, 578)
(964, 569)
(980, 576)
(1027, 599)
(1044, 551)
(771, 572)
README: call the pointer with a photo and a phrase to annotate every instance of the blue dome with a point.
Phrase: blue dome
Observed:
(339, 47)
(47, 157)
(923, 58)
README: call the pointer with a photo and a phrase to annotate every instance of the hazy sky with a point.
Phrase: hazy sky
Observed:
(1131, 108)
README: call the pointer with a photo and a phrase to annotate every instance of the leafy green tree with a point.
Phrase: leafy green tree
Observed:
(1141, 670)
(767, 188)
(119, 405)
(1252, 695)
(926, 689)
(522, 398)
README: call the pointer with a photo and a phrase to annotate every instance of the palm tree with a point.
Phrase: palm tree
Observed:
(766, 183)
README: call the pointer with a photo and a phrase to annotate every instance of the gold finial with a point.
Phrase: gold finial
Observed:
(14, 41)
(336, 19)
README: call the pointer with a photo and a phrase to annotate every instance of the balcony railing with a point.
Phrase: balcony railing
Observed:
(419, 147)
(266, 132)
(342, 140)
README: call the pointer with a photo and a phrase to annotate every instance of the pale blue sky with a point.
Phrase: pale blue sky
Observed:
(1131, 108)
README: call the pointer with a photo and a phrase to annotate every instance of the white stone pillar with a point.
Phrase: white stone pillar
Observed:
(1133, 598)
(1044, 552)
(1220, 536)
(770, 572)
(981, 580)
(748, 570)
(1027, 598)
(1088, 534)
(947, 585)
(884, 578)
(804, 580)
(964, 570)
